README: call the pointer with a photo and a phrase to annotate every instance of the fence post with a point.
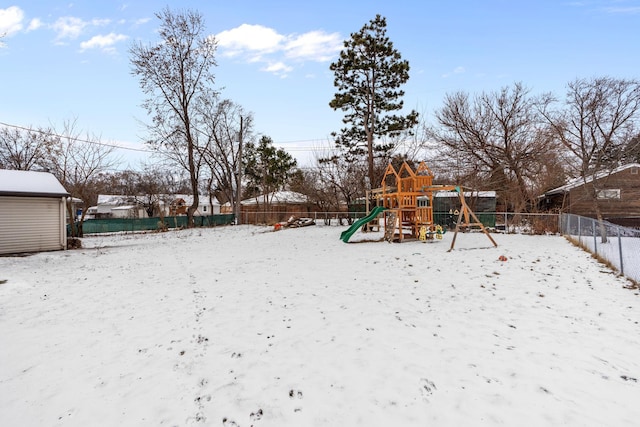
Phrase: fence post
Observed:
(560, 222)
(620, 250)
(595, 237)
(580, 229)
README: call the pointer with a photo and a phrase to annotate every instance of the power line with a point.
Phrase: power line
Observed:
(142, 150)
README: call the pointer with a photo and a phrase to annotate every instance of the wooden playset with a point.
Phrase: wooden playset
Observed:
(407, 199)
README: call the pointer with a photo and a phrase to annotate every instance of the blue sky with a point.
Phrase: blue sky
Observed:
(61, 60)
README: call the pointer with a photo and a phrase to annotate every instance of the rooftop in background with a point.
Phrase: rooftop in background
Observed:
(277, 197)
(577, 182)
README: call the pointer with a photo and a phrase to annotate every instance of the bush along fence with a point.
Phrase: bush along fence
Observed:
(118, 225)
(619, 246)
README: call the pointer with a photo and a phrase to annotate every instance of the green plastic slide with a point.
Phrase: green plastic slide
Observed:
(346, 234)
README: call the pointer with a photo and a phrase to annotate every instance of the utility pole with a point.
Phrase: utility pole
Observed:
(239, 176)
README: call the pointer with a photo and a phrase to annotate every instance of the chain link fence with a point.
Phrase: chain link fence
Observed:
(504, 222)
(618, 246)
(526, 223)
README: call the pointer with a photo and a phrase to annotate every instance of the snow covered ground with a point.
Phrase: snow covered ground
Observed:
(242, 326)
(622, 252)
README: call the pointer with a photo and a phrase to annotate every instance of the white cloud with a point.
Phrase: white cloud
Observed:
(103, 42)
(70, 27)
(260, 44)
(617, 7)
(631, 10)
(11, 20)
(315, 46)
(457, 70)
(278, 68)
(34, 24)
(100, 22)
(250, 38)
(142, 21)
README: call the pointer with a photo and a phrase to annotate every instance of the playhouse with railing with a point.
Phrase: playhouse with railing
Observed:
(405, 200)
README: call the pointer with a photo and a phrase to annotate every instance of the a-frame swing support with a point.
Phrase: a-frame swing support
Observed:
(465, 212)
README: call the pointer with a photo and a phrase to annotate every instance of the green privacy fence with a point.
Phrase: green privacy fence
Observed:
(116, 225)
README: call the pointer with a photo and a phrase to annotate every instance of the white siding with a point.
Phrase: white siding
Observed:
(31, 224)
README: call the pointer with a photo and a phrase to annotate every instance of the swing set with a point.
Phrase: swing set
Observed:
(407, 198)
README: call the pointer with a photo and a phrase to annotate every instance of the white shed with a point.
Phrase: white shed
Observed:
(32, 212)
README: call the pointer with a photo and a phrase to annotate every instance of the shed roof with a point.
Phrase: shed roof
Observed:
(469, 194)
(30, 184)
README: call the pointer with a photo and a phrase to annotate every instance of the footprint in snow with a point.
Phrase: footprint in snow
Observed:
(295, 394)
(427, 387)
(255, 416)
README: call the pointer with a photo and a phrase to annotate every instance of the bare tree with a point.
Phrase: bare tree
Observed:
(598, 117)
(344, 180)
(26, 148)
(227, 127)
(498, 138)
(416, 144)
(78, 164)
(631, 151)
(123, 183)
(176, 75)
(157, 187)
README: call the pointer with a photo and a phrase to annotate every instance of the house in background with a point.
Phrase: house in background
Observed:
(274, 207)
(181, 202)
(115, 206)
(618, 193)
(33, 215)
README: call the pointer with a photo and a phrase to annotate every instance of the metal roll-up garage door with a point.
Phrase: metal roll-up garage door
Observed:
(31, 224)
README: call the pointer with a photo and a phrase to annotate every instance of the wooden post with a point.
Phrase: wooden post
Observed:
(464, 210)
(238, 211)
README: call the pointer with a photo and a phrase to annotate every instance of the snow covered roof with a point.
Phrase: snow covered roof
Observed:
(30, 184)
(468, 194)
(277, 197)
(203, 199)
(577, 182)
(110, 199)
